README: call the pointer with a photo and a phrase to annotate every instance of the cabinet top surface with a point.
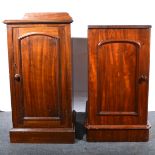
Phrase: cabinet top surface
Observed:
(119, 26)
(51, 17)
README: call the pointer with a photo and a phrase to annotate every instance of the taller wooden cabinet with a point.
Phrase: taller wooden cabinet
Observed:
(118, 83)
(40, 78)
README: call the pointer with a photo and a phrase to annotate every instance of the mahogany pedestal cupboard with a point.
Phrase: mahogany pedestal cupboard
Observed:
(118, 83)
(40, 78)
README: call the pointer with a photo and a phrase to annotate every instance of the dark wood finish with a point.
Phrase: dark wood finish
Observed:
(118, 83)
(52, 18)
(118, 26)
(37, 135)
(117, 135)
(40, 79)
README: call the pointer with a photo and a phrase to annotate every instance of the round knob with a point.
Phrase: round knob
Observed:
(17, 77)
(143, 78)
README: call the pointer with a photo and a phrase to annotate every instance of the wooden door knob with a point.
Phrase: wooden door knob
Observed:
(143, 78)
(17, 77)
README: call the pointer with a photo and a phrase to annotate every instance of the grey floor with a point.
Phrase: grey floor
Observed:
(81, 147)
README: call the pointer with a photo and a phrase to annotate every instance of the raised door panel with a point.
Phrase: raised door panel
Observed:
(40, 76)
(117, 68)
(37, 60)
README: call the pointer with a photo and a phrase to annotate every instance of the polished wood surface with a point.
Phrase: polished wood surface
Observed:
(40, 80)
(117, 81)
(37, 135)
(118, 26)
(44, 66)
(54, 17)
(116, 72)
(115, 135)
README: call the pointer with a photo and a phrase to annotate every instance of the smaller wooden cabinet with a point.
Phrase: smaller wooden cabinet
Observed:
(118, 82)
(39, 48)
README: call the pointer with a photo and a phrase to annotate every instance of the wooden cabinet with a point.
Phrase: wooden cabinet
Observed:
(40, 78)
(118, 83)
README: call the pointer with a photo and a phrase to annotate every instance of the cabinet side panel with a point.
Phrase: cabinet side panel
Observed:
(66, 74)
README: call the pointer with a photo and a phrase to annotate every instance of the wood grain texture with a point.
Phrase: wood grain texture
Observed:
(40, 74)
(118, 61)
(46, 17)
(118, 26)
(39, 135)
(116, 73)
(116, 135)
(40, 79)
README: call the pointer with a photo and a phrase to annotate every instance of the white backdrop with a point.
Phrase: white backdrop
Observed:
(84, 13)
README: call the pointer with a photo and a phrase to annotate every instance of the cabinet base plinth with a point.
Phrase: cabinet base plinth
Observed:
(117, 135)
(42, 135)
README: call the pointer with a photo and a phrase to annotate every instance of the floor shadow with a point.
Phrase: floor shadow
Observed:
(80, 130)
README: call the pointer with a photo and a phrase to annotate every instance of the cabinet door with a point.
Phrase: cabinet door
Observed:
(118, 76)
(42, 95)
